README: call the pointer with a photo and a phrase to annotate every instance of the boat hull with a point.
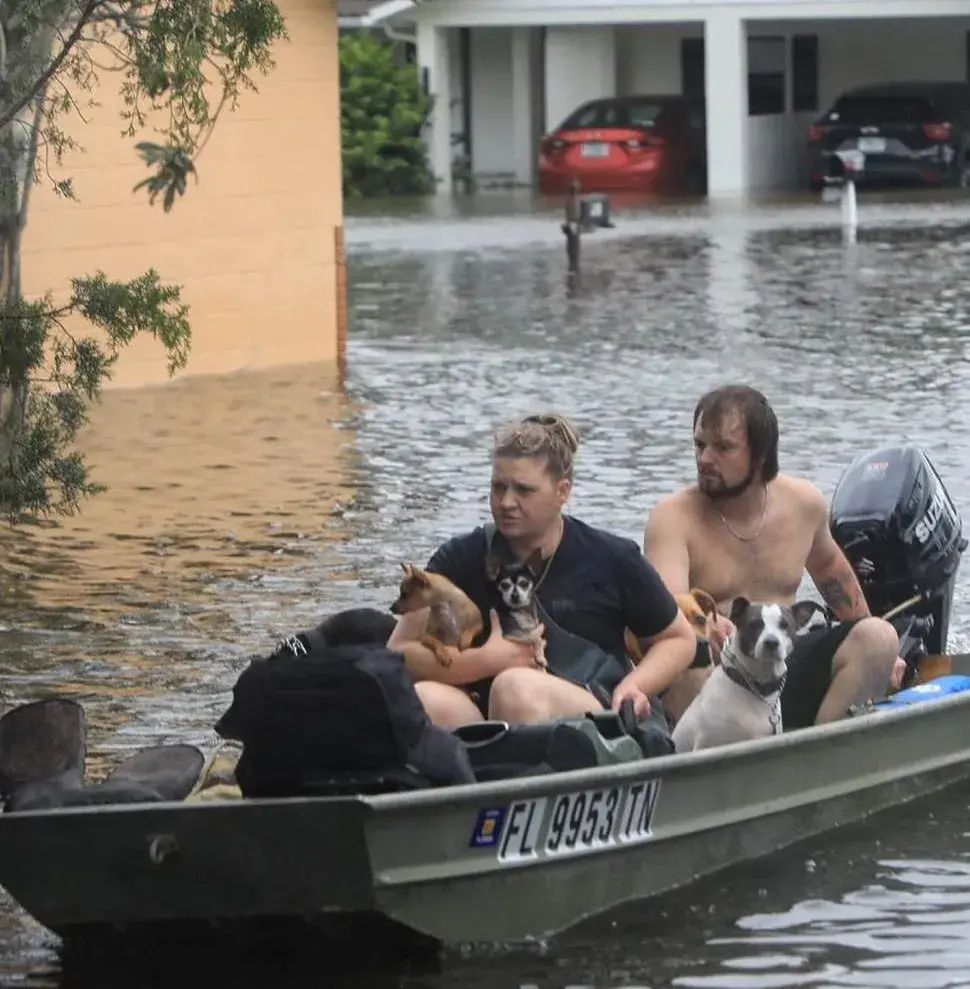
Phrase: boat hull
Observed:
(490, 862)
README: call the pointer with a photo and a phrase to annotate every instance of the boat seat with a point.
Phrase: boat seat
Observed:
(498, 750)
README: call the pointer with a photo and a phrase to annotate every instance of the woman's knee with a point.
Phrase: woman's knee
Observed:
(520, 695)
(525, 696)
(447, 706)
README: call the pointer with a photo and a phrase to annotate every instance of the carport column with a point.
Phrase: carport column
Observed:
(524, 132)
(432, 53)
(726, 83)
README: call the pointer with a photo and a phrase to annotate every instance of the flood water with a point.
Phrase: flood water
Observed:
(244, 507)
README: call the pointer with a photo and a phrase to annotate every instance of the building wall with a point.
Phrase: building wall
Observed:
(253, 243)
(856, 52)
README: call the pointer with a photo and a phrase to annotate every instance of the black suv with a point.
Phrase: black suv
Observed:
(913, 133)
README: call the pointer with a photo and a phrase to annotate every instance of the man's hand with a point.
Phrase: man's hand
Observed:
(503, 654)
(899, 671)
(629, 691)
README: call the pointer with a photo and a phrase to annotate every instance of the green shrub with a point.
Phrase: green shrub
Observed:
(383, 110)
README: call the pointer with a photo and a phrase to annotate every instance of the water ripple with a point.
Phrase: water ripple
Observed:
(245, 507)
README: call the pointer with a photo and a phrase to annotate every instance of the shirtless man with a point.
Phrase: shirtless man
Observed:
(745, 529)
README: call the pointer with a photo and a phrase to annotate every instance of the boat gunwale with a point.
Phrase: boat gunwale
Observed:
(553, 783)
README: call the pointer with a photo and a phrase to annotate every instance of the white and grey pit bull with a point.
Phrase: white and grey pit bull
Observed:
(741, 699)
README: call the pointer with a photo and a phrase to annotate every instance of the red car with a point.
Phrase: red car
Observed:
(637, 143)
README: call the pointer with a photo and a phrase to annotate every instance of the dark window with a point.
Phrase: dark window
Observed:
(766, 75)
(860, 111)
(804, 71)
(612, 113)
(692, 69)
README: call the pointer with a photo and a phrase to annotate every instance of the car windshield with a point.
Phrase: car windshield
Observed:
(613, 114)
(864, 110)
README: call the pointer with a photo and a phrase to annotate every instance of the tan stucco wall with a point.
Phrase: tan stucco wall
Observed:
(252, 244)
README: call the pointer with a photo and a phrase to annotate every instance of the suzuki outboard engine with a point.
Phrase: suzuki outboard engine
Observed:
(903, 536)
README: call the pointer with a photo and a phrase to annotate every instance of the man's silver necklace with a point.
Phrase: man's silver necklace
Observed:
(757, 532)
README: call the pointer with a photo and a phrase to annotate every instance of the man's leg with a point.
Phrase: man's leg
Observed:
(861, 668)
(524, 696)
(447, 706)
(832, 669)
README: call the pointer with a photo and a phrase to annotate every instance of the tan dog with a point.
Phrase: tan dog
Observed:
(454, 620)
(701, 611)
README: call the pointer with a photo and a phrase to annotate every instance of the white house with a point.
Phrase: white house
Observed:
(504, 72)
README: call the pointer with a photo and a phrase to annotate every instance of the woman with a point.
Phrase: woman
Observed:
(593, 585)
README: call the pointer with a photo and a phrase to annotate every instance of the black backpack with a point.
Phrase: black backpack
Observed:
(320, 720)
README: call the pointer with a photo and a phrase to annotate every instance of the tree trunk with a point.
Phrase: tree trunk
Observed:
(19, 141)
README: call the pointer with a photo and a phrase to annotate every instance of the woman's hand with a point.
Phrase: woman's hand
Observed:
(503, 654)
(627, 690)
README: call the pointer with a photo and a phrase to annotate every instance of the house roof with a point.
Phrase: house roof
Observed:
(369, 13)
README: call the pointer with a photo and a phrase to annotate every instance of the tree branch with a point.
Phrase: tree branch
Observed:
(9, 113)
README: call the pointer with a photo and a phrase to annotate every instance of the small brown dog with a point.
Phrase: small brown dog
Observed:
(454, 620)
(701, 611)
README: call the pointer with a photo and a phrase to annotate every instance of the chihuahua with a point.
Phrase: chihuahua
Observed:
(454, 620)
(516, 583)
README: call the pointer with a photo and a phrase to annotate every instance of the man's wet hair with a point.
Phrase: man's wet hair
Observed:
(757, 415)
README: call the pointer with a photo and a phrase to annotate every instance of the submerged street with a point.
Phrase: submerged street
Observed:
(246, 507)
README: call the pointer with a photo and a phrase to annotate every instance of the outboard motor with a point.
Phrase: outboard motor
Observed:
(903, 535)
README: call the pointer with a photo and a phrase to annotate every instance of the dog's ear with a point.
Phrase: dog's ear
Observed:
(738, 608)
(804, 611)
(406, 567)
(704, 600)
(492, 567)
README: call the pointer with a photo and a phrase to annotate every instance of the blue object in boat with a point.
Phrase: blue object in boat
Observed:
(943, 686)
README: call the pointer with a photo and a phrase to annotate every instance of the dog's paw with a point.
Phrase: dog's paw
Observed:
(440, 652)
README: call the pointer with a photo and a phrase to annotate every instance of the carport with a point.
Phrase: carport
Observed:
(504, 72)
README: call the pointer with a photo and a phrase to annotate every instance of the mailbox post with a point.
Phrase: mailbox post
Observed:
(852, 163)
(584, 214)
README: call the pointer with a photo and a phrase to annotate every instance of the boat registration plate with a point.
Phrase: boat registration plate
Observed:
(577, 822)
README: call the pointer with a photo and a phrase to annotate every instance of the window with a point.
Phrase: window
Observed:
(692, 69)
(614, 113)
(804, 71)
(766, 76)
(600, 114)
(862, 111)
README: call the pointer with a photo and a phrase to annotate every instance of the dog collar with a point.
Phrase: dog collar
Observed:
(765, 688)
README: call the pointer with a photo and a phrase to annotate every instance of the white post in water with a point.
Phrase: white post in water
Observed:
(853, 162)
